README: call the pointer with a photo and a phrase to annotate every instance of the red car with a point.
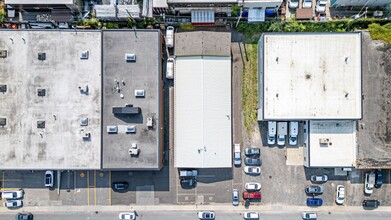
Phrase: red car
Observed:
(251, 195)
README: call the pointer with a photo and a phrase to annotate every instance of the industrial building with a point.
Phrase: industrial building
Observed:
(63, 93)
(321, 88)
(202, 123)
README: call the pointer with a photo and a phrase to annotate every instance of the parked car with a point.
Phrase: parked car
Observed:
(309, 215)
(252, 170)
(293, 3)
(320, 6)
(170, 36)
(379, 179)
(319, 178)
(237, 155)
(17, 194)
(191, 173)
(235, 197)
(369, 182)
(24, 216)
(49, 178)
(371, 203)
(253, 161)
(206, 215)
(252, 152)
(251, 215)
(253, 186)
(13, 203)
(271, 133)
(340, 197)
(127, 215)
(251, 195)
(307, 3)
(188, 183)
(119, 186)
(316, 190)
(314, 201)
(170, 68)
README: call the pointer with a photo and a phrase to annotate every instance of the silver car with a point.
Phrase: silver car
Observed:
(235, 197)
(319, 178)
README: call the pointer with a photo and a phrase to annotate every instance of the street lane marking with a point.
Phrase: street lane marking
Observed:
(13, 180)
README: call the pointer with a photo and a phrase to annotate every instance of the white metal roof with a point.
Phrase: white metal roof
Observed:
(200, 1)
(202, 112)
(311, 76)
(341, 148)
(39, 2)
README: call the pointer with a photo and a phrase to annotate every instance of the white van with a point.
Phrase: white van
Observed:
(271, 134)
(170, 37)
(293, 132)
(282, 130)
(170, 68)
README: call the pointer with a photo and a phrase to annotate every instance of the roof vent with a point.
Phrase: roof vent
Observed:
(112, 129)
(3, 88)
(131, 129)
(40, 124)
(3, 53)
(149, 122)
(139, 93)
(86, 136)
(130, 57)
(41, 56)
(84, 121)
(84, 55)
(41, 92)
(3, 122)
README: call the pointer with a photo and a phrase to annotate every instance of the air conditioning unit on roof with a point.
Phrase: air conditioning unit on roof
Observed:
(130, 57)
(139, 93)
(84, 55)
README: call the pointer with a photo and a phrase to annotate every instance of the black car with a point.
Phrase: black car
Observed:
(24, 216)
(252, 152)
(188, 183)
(252, 161)
(379, 179)
(119, 186)
(371, 203)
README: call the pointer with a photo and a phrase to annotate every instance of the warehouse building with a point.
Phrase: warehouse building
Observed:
(202, 117)
(321, 87)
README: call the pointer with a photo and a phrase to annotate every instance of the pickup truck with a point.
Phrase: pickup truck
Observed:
(188, 173)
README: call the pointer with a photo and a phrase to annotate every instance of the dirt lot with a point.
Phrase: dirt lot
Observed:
(374, 130)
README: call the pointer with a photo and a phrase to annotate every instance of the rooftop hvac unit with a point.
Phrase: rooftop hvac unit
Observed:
(324, 141)
(131, 129)
(40, 124)
(41, 92)
(139, 93)
(84, 121)
(134, 152)
(112, 129)
(3, 121)
(3, 88)
(86, 136)
(149, 122)
(134, 145)
(3, 53)
(41, 56)
(84, 55)
(130, 57)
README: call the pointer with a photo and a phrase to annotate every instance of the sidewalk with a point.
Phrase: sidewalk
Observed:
(215, 207)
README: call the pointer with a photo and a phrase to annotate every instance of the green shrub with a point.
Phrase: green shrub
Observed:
(186, 26)
(379, 32)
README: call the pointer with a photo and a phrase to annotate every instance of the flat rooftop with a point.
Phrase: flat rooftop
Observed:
(40, 2)
(203, 137)
(46, 99)
(203, 43)
(332, 143)
(310, 76)
(120, 80)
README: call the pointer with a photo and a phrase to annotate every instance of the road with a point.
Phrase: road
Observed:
(183, 215)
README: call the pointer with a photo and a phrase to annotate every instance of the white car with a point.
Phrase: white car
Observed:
(252, 170)
(320, 6)
(13, 203)
(206, 215)
(251, 215)
(369, 182)
(293, 3)
(309, 215)
(49, 178)
(307, 3)
(340, 197)
(18, 194)
(127, 215)
(170, 68)
(253, 186)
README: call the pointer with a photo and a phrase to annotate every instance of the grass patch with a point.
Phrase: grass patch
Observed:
(382, 33)
(250, 86)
